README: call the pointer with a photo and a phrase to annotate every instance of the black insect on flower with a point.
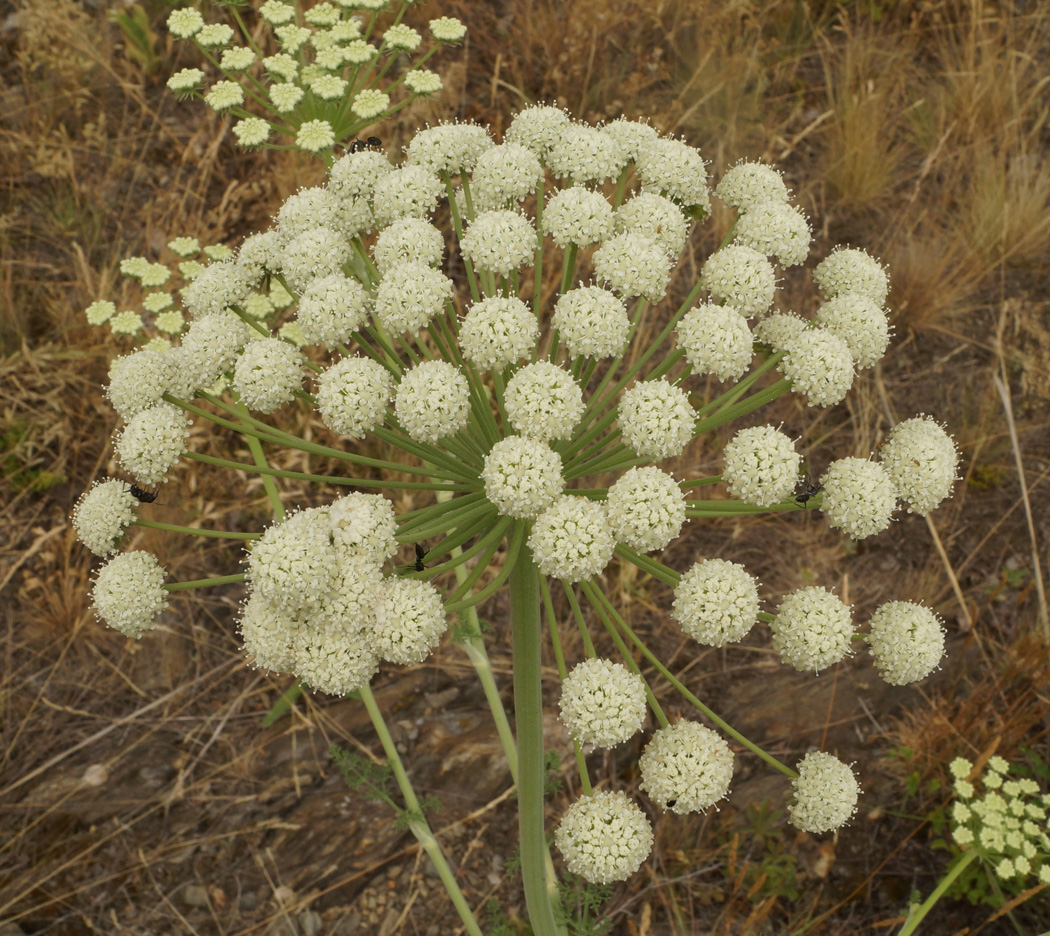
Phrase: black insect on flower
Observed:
(810, 489)
(141, 495)
(357, 146)
(421, 551)
(671, 802)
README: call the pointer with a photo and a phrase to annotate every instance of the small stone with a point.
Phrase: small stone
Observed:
(393, 871)
(195, 895)
(94, 776)
(389, 922)
(283, 895)
(309, 923)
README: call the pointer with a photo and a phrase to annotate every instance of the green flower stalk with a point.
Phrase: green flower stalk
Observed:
(537, 439)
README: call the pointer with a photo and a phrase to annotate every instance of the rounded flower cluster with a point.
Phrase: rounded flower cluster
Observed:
(102, 514)
(859, 322)
(584, 154)
(633, 265)
(656, 419)
(760, 466)
(432, 401)
(406, 192)
(820, 366)
(657, 218)
(750, 184)
(775, 229)
(906, 640)
(409, 621)
(859, 497)
(592, 322)
(331, 309)
(408, 239)
(824, 795)
(210, 348)
(813, 629)
(602, 703)
(676, 171)
(543, 401)
(716, 340)
(352, 396)
(577, 216)
(251, 131)
(742, 277)
(309, 208)
(847, 270)
(364, 524)
(780, 329)
(268, 374)
(292, 564)
(686, 767)
(499, 241)
(354, 176)
(151, 443)
(646, 508)
(716, 602)
(410, 295)
(137, 381)
(921, 458)
(572, 539)
(504, 175)
(522, 476)
(448, 147)
(318, 252)
(632, 135)
(497, 332)
(537, 128)
(129, 593)
(604, 837)
(218, 287)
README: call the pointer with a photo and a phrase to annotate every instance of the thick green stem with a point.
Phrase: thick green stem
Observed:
(916, 917)
(528, 708)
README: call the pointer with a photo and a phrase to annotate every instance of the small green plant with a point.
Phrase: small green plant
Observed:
(771, 869)
(139, 39)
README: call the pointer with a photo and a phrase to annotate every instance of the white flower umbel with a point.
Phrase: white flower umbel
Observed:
(602, 702)
(860, 323)
(780, 329)
(102, 514)
(572, 539)
(657, 218)
(432, 401)
(716, 340)
(410, 295)
(522, 476)
(592, 322)
(760, 466)
(335, 655)
(578, 216)
(128, 593)
(537, 128)
(365, 525)
(906, 640)
(100, 311)
(716, 602)
(633, 265)
(151, 443)
(269, 634)
(355, 175)
(749, 184)
(138, 381)
(210, 348)
(293, 564)
(656, 419)
(307, 209)
(646, 508)
(585, 155)
(498, 331)
(499, 241)
(353, 395)
(409, 239)
(268, 374)
(407, 192)
(259, 254)
(824, 795)
(604, 837)
(409, 621)
(218, 287)
(185, 23)
(316, 253)
(859, 497)
(447, 29)
(742, 277)
(813, 629)
(448, 147)
(632, 135)
(686, 767)
(775, 229)
(504, 176)
(543, 401)
(331, 309)
(676, 171)
(922, 459)
(819, 366)
(847, 270)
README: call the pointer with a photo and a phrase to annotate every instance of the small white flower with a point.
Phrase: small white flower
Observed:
(276, 13)
(293, 564)
(907, 642)
(824, 796)
(602, 702)
(543, 401)
(859, 497)
(921, 458)
(185, 80)
(432, 401)
(100, 311)
(410, 295)
(185, 23)
(410, 619)
(813, 629)
(218, 287)
(402, 37)
(447, 29)
(126, 323)
(237, 59)
(307, 209)
(316, 253)
(646, 508)
(331, 309)
(214, 34)
(328, 87)
(355, 175)
(314, 136)
(604, 837)
(846, 270)
(742, 277)
(353, 395)
(102, 514)
(686, 767)
(152, 442)
(138, 381)
(716, 340)
(780, 329)
(499, 241)
(859, 322)
(370, 103)
(537, 128)
(572, 539)
(748, 184)
(448, 147)
(224, 95)
(819, 365)
(269, 633)
(676, 171)
(761, 466)
(632, 135)
(503, 176)
(657, 218)
(592, 321)
(656, 419)
(128, 593)
(409, 239)
(423, 82)
(209, 349)
(252, 131)
(363, 525)
(496, 332)
(577, 216)
(633, 265)
(268, 374)
(522, 476)
(585, 154)
(775, 229)
(406, 192)
(716, 602)
(285, 97)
